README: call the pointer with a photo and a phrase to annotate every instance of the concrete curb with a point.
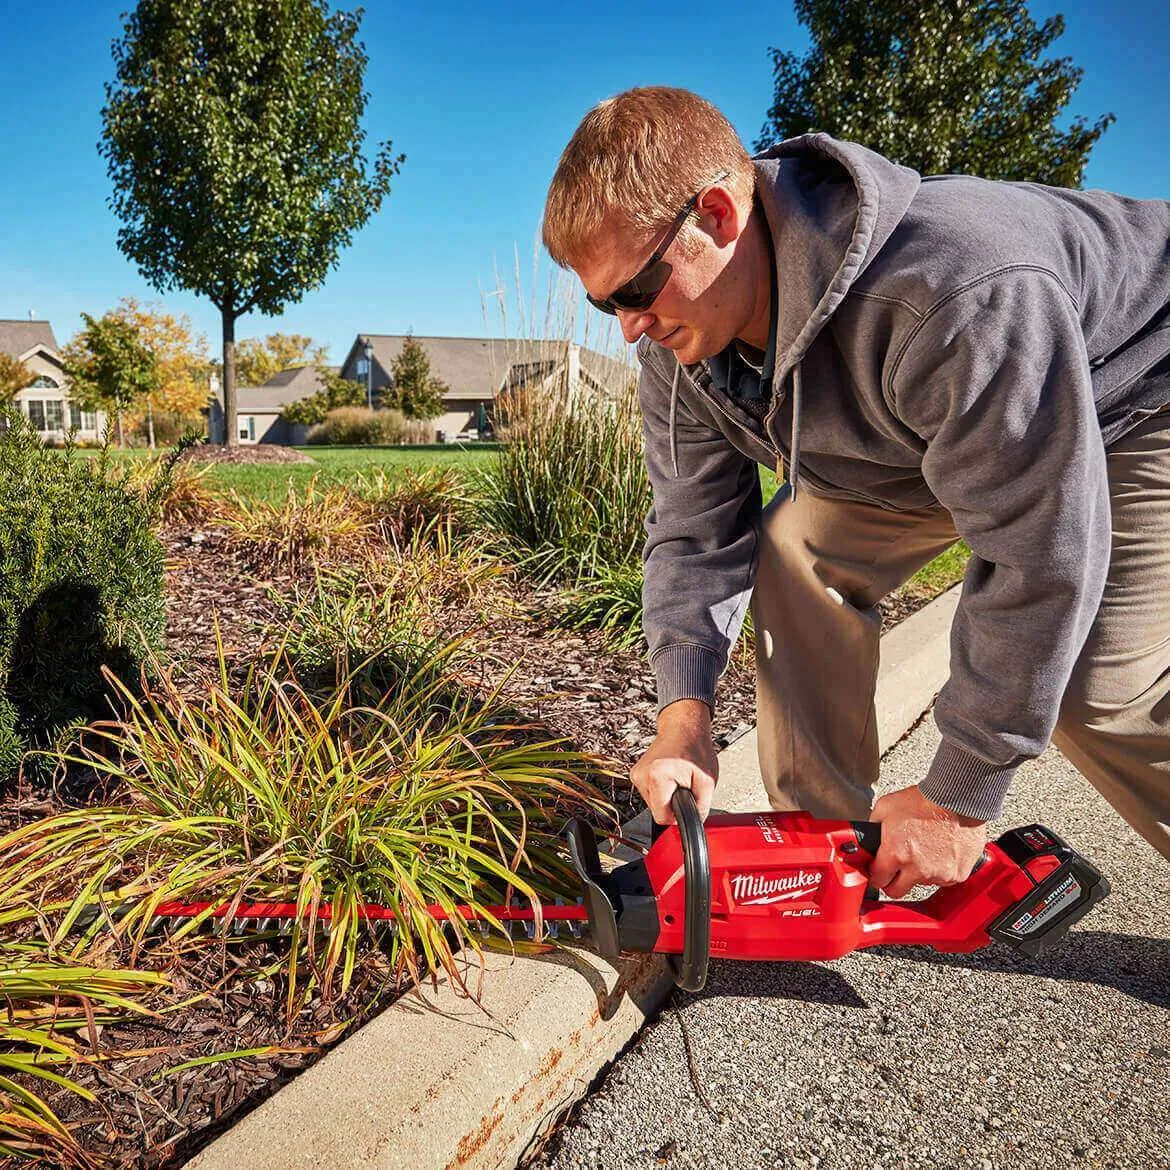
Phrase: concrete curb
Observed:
(436, 1083)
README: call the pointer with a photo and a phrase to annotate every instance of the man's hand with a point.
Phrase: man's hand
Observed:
(681, 756)
(923, 844)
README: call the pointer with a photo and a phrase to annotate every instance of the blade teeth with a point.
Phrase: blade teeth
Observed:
(552, 929)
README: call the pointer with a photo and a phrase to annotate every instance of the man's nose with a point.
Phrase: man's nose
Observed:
(634, 323)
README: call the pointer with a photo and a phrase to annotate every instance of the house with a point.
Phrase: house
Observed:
(45, 401)
(478, 369)
(258, 407)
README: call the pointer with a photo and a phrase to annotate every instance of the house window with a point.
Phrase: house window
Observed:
(44, 383)
(81, 420)
(55, 415)
(248, 428)
(36, 414)
(362, 368)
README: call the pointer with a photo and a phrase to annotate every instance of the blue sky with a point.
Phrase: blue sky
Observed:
(482, 99)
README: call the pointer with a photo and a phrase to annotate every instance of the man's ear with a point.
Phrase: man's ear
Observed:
(721, 219)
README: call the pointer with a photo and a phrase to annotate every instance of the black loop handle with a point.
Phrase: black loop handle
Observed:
(691, 973)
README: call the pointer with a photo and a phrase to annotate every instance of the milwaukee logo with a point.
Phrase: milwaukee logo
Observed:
(753, 889)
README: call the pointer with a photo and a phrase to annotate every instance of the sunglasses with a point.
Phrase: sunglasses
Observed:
(640, 291)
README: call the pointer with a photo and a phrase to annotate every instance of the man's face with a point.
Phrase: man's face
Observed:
(695, 314)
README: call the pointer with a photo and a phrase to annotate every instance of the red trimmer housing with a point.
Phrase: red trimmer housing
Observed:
(789, 886)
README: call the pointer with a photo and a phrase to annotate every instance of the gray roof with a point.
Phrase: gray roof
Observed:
(287, 386)
(18, 337)
(480, 367)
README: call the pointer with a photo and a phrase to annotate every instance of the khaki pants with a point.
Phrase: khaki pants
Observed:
(824, 565)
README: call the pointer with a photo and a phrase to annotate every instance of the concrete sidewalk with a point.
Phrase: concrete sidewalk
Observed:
(899, 1058)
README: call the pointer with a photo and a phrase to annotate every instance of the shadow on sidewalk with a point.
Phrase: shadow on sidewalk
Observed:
(1132, 964)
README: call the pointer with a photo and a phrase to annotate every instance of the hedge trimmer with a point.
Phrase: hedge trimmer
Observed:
(773, 886)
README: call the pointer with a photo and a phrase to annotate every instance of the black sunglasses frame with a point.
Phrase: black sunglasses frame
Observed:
(639, 292)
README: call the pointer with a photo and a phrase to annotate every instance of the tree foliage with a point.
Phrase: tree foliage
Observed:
(335, 392)
(413, 389)
(233, 140)
(943, 86)
(14, 376)
(258, 358)
(184, 364)
(109, 367)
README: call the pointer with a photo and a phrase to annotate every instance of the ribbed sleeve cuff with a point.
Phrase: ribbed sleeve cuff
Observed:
(966, 784)
(686, 672)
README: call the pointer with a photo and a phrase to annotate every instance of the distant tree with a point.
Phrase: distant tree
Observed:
(184, 365)
(258, 358)
(943, 86)
(233, 140)
(413, 389)
(14, 377)
(335, 391)
(109, 367)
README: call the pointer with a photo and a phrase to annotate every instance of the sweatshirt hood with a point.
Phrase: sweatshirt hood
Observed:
(830, 206)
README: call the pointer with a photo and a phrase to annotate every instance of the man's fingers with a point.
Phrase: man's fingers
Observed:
(703, 786)
(902, 883)
(884, 868)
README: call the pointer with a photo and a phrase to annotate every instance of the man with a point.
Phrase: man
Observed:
(926, 358)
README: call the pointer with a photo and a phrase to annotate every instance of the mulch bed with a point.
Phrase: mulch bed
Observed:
(600, 700)
(252, 453)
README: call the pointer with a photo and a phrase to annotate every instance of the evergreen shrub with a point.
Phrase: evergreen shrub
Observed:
(81, 587)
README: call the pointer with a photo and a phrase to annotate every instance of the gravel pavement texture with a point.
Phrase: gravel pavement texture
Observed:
(898, 1057)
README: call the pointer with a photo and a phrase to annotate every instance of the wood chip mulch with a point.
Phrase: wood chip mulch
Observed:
(252, 453)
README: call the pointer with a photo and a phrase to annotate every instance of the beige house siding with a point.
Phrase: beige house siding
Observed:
(47, 406)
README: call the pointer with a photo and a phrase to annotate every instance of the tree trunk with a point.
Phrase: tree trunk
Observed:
(150, 425)
(118, 421)
(231, 433)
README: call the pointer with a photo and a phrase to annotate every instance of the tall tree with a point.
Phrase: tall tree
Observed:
(109, 367)
(258, 358)
(943, 86)
(413, 389)
(233, 139)
(184, 365)
(14, 377)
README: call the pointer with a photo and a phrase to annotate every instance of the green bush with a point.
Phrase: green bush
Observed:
(356, 426)
(81, 585)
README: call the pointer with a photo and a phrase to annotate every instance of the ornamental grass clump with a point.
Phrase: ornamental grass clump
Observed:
(358, 426)
(184, 498)
(316, 524)
(81, 586)
(274, 789)
(395, 606)
(46, 1003)
(611, 602)
(568, 492)
(406, 504)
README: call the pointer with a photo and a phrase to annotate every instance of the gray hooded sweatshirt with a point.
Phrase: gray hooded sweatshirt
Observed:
(943, 340)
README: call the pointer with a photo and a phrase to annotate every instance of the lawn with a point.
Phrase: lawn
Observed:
(269, 481)
(339, 464)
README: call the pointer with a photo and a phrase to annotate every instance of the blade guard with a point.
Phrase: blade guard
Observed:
(598, 902)
(625, 893)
